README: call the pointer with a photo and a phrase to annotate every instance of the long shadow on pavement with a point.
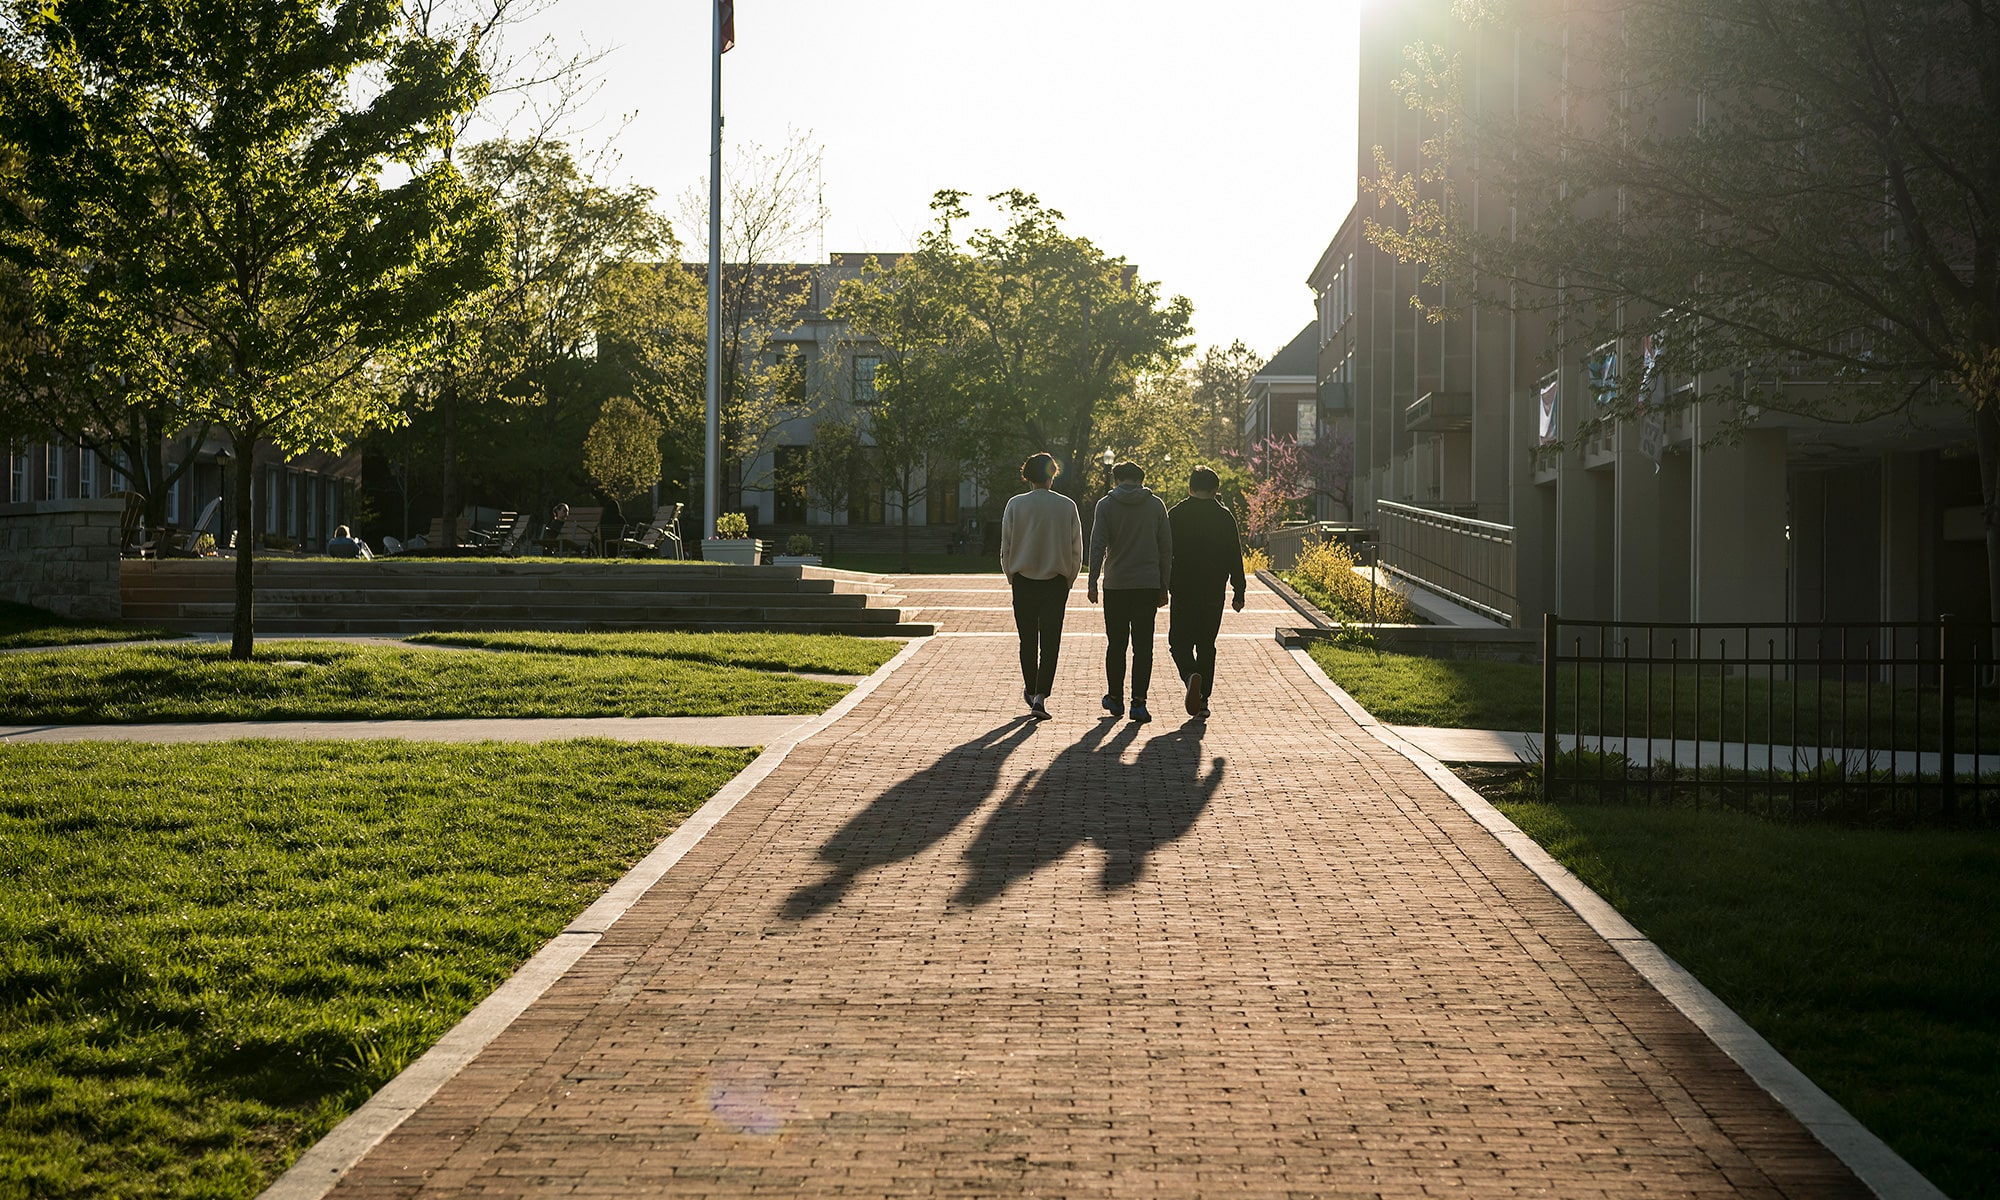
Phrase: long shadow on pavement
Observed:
(911, 816)
(1090, 794)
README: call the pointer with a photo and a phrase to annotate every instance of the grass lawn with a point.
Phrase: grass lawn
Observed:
(1866, 956)
(209, 955)
(312, 680)
(1408, 689)
(829, 653)
(1405, 689)
(920, 564)
(26, 625)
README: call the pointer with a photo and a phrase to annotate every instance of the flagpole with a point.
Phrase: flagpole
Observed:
(711, 491)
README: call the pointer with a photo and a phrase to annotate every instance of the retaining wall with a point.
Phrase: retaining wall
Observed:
(62, 555)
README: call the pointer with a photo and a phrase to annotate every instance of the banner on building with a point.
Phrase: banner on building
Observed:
(1600, 372)
(1548, 432)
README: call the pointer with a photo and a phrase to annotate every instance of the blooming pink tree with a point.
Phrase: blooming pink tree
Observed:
(1290, 476)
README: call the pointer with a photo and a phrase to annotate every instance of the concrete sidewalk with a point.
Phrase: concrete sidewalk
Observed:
(938, 949)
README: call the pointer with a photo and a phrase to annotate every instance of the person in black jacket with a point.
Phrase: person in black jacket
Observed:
(1206, 554)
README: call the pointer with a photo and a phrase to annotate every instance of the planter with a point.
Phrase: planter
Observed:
(796, 560)
(739, 552)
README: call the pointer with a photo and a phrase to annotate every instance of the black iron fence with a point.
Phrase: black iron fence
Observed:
(1877, 721)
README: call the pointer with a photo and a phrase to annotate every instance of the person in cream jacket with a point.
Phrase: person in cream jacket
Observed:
(1041, 553)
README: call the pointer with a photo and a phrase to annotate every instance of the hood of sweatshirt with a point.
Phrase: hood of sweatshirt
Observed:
(1131, 493)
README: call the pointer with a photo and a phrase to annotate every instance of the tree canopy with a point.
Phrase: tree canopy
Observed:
(1031, 332)
(244, 209)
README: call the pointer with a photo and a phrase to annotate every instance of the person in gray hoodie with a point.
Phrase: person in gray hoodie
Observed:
(1132, 549)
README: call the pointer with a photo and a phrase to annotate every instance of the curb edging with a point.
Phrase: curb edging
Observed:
(1879, 1167)
(313, 1174)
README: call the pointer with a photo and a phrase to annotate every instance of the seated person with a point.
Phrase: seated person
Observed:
(344, 544)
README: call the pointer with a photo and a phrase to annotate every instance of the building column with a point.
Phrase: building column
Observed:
(1740, 555)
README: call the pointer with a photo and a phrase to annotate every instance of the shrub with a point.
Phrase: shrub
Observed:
(1255, 560)
(799, 543)
(1325, 573)
(732, 525)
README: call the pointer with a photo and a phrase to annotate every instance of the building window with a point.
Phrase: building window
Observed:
(86, 472)
(52, 460)
(864, 378)
(173, 500)
(789, 486)
(274, 499)
(1308, 422)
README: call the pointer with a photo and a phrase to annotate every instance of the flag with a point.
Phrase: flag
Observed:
(1547, 432)
(728, 24)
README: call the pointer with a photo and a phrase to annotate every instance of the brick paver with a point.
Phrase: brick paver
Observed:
(941, 951)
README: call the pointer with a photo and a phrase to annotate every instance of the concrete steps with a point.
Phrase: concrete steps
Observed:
(414, 595)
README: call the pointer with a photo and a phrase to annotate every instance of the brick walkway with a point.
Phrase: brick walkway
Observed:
(942, 951)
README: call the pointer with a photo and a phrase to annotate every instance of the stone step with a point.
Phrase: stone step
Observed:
(413, 595)
(140, 604)
(278, 627)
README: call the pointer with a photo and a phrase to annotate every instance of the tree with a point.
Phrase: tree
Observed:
(1056, 331)
(920, 339)
(1830, 216)
(535, 339)
(771, 214)
(214, 215)
(621, 454)
(1221, 379)
(835, 458)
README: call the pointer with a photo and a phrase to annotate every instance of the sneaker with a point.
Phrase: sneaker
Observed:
(1114, 706)
(1194, 701)
(1203, 714)
(1139, 713)
(1037, 707)
(1027, 697)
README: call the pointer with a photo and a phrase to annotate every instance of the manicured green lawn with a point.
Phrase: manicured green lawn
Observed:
(1407, 689)
(829, 653)
(1866, 956)
(211, 954)
(310, 680)
(1404, 689)
(920, 564)
(26, 625)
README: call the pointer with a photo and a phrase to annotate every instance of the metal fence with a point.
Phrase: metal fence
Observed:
(1468, 560)
(1879, 721)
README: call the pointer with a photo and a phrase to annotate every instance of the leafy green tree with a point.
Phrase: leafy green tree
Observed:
(622, 451)
(1792, 193)
(1221, 377)
(1049, 331)
(837, 455)
(921, 340)
(243, 208)
(533, 343)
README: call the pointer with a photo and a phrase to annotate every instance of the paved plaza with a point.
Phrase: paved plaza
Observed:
(940, 950)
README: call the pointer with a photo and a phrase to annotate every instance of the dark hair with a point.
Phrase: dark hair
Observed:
(1201, 479)
(1040, 468)
(1128, 472)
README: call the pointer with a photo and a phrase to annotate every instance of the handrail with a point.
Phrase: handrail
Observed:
(1462, 558)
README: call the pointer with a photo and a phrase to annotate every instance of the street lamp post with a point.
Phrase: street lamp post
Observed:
(1107, 460)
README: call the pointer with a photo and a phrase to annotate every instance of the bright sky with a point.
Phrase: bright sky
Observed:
(1211, 144)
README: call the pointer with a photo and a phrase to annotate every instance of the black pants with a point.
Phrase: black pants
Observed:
(1128, 619)
(1191, 630)
(1038, 618)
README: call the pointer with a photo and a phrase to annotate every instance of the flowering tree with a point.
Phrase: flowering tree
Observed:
(1289, 477)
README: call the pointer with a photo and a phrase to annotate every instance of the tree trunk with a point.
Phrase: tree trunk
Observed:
(448, 486)
(906, 531)
(243, 636)
(1986, 429)
(153, 467)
